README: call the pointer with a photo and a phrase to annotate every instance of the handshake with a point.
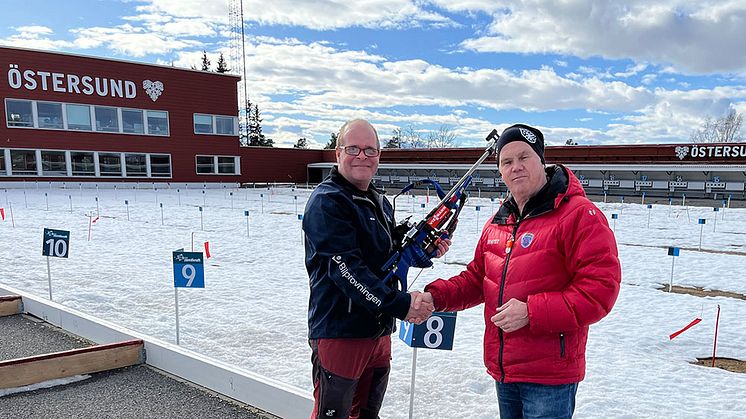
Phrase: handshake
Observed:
(421, 307)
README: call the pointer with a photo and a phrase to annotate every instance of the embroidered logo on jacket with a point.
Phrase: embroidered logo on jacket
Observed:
(527, 239)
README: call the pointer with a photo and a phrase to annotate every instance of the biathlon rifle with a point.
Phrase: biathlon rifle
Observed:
(418, 242)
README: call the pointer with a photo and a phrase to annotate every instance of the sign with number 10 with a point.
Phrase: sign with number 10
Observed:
(189, 270)
(435, 333)
(56, 243)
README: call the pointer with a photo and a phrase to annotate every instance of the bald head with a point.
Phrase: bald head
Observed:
(349, 125)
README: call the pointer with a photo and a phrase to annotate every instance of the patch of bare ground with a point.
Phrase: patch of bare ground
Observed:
(701, 292)
(728, 364)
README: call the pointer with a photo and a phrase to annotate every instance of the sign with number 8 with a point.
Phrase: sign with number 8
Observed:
(436, 333)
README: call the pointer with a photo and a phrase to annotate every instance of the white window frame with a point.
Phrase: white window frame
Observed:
(215, 125)
(215, 170)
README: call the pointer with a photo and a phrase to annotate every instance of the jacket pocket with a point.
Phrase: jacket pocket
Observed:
(562, 345)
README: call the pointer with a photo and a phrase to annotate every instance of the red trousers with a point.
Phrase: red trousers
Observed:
(350, 376)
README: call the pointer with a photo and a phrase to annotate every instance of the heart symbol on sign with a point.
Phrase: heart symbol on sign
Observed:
(153, 89)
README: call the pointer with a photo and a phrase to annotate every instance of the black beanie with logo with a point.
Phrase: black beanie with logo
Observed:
(520, 132)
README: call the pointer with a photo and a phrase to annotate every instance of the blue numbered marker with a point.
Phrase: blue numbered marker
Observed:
(436, 333)
(189, 270)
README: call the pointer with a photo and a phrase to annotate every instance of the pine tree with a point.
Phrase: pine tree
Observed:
(205, 61)
(245, 126)
(255, 126)
(302, 143)
(222, 65)
(332, 144)
(256, 137)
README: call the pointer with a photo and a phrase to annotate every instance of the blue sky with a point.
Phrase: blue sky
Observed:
(599, 72)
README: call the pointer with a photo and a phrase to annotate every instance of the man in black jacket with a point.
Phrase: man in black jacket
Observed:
(351, 311)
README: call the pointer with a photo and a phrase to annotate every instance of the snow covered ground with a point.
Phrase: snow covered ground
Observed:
(252, 312)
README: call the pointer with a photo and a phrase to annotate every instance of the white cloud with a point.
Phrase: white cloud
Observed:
(698, 37)
(36, 37)
(130, 40)
(318, 15)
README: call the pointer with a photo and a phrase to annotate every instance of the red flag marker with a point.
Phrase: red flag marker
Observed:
(94, 220)
(2, 213)
(687, 327)
(207, 250)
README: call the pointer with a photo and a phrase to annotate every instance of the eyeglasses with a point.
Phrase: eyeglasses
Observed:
(353, 150)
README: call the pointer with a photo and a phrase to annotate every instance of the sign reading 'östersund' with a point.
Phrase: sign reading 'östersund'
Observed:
(710, 151)
(76, 84)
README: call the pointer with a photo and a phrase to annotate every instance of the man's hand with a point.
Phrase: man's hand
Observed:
(421, 307)
(443, 246)
(511, 316)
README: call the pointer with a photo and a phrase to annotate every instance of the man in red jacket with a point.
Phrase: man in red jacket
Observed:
(546, 267)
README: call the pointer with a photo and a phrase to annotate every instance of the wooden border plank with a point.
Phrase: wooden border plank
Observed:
(35, 369)
(10, 305)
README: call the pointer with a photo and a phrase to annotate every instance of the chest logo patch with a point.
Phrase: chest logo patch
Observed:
(527, 239)
(493, 241)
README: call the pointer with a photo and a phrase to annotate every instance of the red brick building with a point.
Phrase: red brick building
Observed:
(75, 118)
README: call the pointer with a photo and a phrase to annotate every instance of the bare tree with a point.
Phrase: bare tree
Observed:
(443, 137)
(722, 130)
(409, 138)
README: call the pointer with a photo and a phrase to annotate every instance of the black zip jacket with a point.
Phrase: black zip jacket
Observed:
(348, 239)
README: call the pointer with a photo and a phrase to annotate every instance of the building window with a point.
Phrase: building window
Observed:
(157, 123)
(205, 165)
(202, 124)
(110, 164)
(23, 162)
(2, 163)
(222, 165)
(136, 164)
(50, 115)
(82, 163)
(224, 125)
(213, 124)
(227, 165)
(53, 163)
(107, 119)
(78, 117)
(160, 165)
(18, 113)
(132, 121)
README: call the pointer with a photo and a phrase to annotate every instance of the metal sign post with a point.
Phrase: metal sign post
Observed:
(672, 251)
(436, 333)
(246, 213)
(701, 223)
(189, 272)
(650, 208)
(56, 243)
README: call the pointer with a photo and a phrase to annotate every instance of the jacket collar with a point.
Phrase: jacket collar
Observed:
(560, 185)
(337, 178)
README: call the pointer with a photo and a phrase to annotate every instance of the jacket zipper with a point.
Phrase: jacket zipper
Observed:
(562, 344)
(509, 251)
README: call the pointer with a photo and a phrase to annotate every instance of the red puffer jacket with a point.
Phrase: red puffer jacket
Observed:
(564, 264)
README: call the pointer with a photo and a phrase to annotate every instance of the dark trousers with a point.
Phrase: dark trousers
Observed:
(349, 376)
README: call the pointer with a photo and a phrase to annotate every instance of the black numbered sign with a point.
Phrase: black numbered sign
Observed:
(56, 243)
